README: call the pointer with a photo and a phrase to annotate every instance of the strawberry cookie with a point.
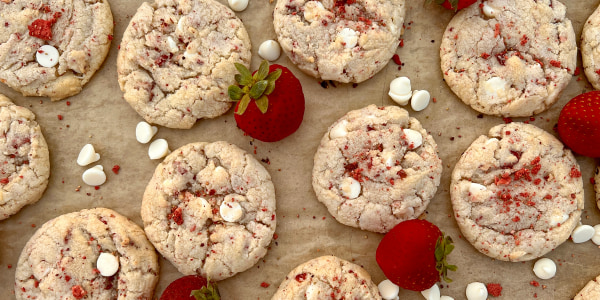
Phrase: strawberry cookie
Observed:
(591, 291)
(345, 40)
(177, 59)
(327, 277)
(509, 57)
(26, 168)
(590, 49)
(52, 48)
(89, 254)
(210, 210)
(376, 167)
(517, 193)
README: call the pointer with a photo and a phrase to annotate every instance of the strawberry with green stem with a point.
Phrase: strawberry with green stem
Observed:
(413, 255)
(453, 4)
(192, 287)
(579, 124)
(270, 102)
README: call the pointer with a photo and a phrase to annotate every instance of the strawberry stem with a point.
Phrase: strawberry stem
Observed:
(443, 248)
(208, 292)
(253, 87)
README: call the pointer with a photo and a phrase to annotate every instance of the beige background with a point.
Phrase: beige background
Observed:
(305, 230)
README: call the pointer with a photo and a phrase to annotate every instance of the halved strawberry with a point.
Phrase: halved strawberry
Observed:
(191, 287)
(453, 4)
(413, 255)
(579, 124)
(270, 102)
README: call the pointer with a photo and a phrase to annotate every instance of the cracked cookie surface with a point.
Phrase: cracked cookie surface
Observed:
(376, 167)
(81, 31)
(590, 48)
(59, 260)
(327, 277)
(183, 203)
(590, 291)
(346, 41)
(517, 193)
(177, 58)
(515, 61)
(25, 159)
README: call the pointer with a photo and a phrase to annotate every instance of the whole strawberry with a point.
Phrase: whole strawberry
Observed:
(579, 124)
(191, 287)
(454, 4)
(413, 255)
(271, 102)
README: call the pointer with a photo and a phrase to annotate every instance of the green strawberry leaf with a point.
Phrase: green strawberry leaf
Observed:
(243, 104)
(270, 88)
(443, 248)
(262, 72)
(210, 292)
(262, 103)
(274, 75)
(235, 92)
(258, 89)
(245, 77)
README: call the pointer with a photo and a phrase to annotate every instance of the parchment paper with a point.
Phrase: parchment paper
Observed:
(305, 230)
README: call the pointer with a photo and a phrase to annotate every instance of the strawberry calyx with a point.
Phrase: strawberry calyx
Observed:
(207, 292)
(443, 248)
(255, 87)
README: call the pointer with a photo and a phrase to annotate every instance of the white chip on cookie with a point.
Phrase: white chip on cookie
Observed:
(348, 37)
(87, 155)
(350, 188)
(107, 264)
(414, 138)
(230, 209)
(47, 56)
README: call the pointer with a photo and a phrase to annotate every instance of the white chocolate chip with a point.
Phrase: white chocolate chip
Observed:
(94, 176)
(238, 5)
(389, 158)
(596, 237)
(432, 293)
(475, 188)
(107, 264)
(180, 26)
(312, 9)
(87, 155)
(349, 37)
(488, 11)
(231, 210)
(350, 188)
(495, 87)
(339, 130)
(544, 268)
(269, 50)
(419, 100)
(414, 138)
(47, 56)
(144, 132)
(492, 140)
(558, 217)
(400, 90)
(446, 298)
(476, 291)
(388, 290)
(582, 233)
(158, 149)
(172, 45)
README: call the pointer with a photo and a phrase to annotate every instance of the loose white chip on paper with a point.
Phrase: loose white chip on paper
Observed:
(432, 293)
(400, 90)
(476, 291)
(238, 5)
(47, 56)
(388, 290)
(269, 50)
(582, 233)
(419, 100)
(446, 298)
(107, 264)
(544, 268)
(144, 132)
(87, 155)
(94, 176)
(596, 237)
(158, 149)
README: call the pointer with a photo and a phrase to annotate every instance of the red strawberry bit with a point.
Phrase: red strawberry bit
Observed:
(4, 180)
(534, 283)
(555, 63)
(577, 71)
(524, 40)
(43, 28)
(575, 173)
(176, 215)
(264, 284)
(497, 30)
(396, 59)
(78, 292)
(579, 125)
(494, 289)
(301, 277)
(60, 117)
(116, 169)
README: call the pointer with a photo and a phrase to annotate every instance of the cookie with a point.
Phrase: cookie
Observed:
(509, 58)
(590, 48)
(177, 58)
(597, 185)
(346, 41)
(376, 167)
(80, 32)
(23, 149)
(590, 291)
(210, 209)
(517, 193)
(327, 277)
(60, 260)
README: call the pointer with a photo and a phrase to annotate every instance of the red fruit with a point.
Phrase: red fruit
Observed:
(579, 124)
(191, 287)
(268, 113)
(413, 255)
(454, 4)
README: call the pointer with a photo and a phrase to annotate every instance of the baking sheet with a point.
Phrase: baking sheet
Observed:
(305, 230)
